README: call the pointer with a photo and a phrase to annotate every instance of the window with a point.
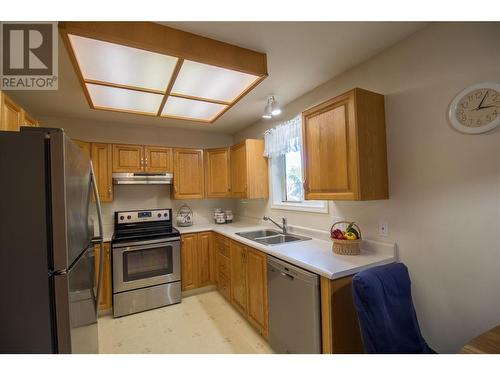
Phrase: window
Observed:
(287, 189)
(283, 145)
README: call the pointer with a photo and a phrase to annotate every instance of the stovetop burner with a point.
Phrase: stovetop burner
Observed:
(143, 225)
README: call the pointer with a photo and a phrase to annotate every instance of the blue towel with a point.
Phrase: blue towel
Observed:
(382, 296)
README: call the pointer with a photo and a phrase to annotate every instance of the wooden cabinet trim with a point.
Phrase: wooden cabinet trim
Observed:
(101, 155)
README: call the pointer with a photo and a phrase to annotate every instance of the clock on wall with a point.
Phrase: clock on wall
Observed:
(476, 109)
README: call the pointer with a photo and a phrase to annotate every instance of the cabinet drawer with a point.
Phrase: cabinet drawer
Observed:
(224, 285)
(222, 245)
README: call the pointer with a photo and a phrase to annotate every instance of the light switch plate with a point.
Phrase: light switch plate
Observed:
(383, 228)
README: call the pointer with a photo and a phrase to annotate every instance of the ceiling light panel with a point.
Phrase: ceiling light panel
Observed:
(105, 97)
(191, 109)
(118, 64)
(211, 82)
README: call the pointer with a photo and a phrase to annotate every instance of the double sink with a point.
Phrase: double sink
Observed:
(271, 237)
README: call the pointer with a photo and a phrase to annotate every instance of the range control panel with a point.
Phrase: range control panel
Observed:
(125, 217)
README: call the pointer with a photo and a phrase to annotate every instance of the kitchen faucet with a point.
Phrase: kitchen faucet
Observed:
(283, 227)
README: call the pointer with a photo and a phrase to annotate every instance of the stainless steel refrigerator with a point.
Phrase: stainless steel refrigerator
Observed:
(48, 289)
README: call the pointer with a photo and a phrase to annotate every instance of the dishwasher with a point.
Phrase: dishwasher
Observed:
(294, 308)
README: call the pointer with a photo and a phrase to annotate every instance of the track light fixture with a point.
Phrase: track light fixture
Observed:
(272, 108)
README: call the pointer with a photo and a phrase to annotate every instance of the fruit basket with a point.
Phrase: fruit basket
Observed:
(346, 242)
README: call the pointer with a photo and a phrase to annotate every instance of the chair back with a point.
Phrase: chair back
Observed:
(382, 296)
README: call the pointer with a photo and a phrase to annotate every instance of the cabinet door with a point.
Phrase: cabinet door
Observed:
(102, 160)
(27, 120)
(257, 290)
(238, 171)
(84, 146)
(239, 276)
(206, 261)
(188, 174)
(330, 150)
(189, 261)
(11, 114)
(105, 298)
(218, 176)
(128, 158)
(157, 159)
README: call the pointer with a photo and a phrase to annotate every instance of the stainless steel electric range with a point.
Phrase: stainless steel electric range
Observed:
(146, 257)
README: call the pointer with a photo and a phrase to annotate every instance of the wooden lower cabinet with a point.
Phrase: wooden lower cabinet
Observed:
(257, 290)
(339, 321)
(105, 300)
(189, 261)
(248, 283)
(206, 259)
(197, 260)
(239, 295)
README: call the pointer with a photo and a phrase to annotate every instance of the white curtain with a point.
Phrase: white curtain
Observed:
(286, 137)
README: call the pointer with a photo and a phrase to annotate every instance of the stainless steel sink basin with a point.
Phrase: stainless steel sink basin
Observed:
(271, 237)
(258, 233)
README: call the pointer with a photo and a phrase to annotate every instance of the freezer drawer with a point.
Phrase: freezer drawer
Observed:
(294, 308)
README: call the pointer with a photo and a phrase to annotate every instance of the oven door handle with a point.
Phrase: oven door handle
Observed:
(144, 247)
(145, 243)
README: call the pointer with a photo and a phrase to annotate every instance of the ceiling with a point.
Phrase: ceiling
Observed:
(300, 56)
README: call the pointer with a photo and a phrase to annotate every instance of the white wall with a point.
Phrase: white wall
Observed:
(137, 197)
(444, 204)
(136, 133)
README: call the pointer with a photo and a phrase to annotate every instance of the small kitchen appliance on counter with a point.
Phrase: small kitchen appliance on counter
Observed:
(146, 261)
(184, 216)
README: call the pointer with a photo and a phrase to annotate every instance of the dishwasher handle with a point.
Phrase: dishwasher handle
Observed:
(291, 271)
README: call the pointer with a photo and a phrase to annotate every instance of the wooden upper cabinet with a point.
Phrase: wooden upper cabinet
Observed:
(128, 158)
(249, 174)
(218, 173)
(27, 120)
(239, 276)
(188, 174)
(157, 159)
(345, 156)
(84, 146)
(11, 114)
(101, 154)
(189, 261)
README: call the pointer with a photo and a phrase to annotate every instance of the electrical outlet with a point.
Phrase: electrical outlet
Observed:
(383, 228)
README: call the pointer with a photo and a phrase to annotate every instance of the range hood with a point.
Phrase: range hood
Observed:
(142, 178)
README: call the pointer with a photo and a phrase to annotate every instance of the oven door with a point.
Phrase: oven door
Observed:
(142, 264)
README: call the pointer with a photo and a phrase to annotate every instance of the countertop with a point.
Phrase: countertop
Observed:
(315, 255)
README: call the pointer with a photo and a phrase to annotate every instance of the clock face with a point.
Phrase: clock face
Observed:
(476, 109)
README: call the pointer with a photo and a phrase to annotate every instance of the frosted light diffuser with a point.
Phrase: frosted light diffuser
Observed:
(211, 82)
(192, 109)
(151, 69)
(114, 63)
(106, 97)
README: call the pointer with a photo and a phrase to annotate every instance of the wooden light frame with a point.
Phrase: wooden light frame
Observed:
(165, 40)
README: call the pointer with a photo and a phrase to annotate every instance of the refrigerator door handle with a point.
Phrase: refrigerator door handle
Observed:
(98, 239)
